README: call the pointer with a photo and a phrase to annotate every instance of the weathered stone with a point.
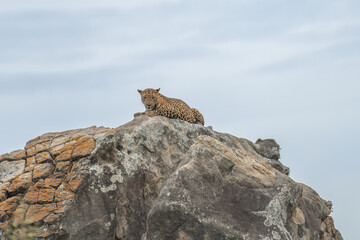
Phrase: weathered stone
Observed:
(43, 233)
(328, 231)
(53, 181)
(38, 212)
(14, 155)
(20, 183)
(43, 157)
(38, 140)
(298, 217)
(7, 207)
(3, 189)
(62, 166)
(75, 182)
(43, 170)
(64, 156)
(157, 178)
(46, 195)
(11, 169)
(59, 141)
(20, 212)
(30, 164)
(40, 147)
(40, 193)
(76, 177)
(268, 148)
(52, 217)
(61, 207)
(63, 193)
(83, 147)
(32, 194)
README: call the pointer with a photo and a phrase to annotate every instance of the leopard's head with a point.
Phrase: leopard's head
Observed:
(149, 98)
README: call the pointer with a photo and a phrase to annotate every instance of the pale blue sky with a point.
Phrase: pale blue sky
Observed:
(279, 69)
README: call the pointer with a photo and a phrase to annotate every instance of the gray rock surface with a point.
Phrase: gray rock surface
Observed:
(156, 178)
(10, 169)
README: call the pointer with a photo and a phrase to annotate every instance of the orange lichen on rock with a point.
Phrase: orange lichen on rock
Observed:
(43, 170)
(53, 181)
(14, 155)
(46, 194)
(61, 207)
(40, 147)
(42, 178)
(38, 212)
(62, 166)
(76, 147)
(3, 189)
(32, 194)
(52, 217)
(43, 157)
(64, 155)
(75, 183)
(83, 147)
(63, 193)
(21, 182)
(30, 164)
(7, 207)
(39, 193)
(75, 178)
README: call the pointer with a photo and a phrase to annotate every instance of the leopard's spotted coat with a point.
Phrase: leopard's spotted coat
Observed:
(157, 104)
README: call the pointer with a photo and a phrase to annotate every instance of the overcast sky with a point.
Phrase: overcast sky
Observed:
(279, 69)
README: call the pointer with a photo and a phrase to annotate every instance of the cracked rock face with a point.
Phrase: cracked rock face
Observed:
(157, 178)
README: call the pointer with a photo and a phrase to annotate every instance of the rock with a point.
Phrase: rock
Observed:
(53, 181)
(268, 148)
(32, 195)
(38, 212)
(21, 182)
(62, 166)
(43, 157)
(3, 190)
(7, 207)
(11, 169)
(159, 178)
(30, 164)
(14, 155)
(83, 147)
(43, 170)
(19, 214)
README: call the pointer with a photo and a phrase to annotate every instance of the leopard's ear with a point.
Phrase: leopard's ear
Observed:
(157, 90)
(139, 91)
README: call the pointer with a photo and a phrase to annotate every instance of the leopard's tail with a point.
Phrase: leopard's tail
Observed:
(198, 116)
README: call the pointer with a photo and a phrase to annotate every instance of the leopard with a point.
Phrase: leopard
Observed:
(157, 104)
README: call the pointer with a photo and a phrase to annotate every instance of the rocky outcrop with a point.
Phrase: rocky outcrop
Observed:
(156, 178)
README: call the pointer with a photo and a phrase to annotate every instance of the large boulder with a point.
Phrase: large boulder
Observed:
(157, 178)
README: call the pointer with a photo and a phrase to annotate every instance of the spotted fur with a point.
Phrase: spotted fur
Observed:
(157, 104)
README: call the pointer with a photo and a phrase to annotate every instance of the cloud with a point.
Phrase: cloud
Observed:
(325, 27)
(45, 5)
(56, 61)
(237, 59)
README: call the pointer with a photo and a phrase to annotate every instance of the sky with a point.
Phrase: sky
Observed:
(287, 70)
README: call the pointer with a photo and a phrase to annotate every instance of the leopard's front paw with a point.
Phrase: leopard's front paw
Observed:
(138, 114)
(151, 113)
